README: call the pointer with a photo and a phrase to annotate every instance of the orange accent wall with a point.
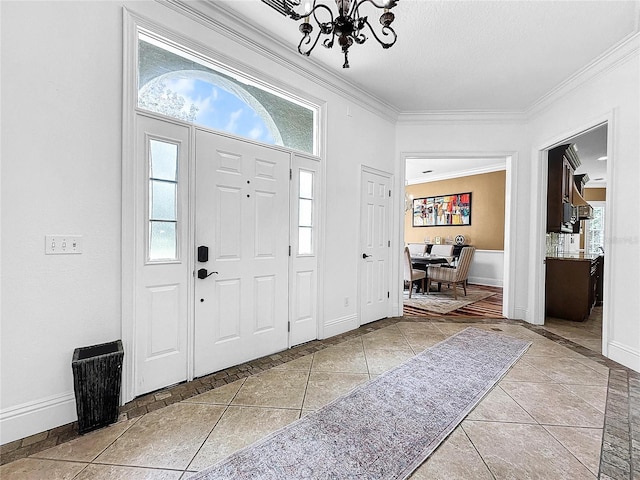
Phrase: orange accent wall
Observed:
(595, 194)
(486, 231)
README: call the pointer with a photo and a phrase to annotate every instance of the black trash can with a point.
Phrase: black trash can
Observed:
(97, 377)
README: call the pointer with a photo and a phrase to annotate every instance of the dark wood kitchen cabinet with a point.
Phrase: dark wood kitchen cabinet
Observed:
(563, 161)
(573, 286)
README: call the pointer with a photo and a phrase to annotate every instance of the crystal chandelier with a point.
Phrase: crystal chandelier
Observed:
(347, 25)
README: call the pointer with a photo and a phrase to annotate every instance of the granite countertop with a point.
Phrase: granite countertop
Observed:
(575, 256)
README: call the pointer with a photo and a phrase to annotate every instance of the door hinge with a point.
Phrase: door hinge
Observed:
(288, 326)
(388, 243)
(289, 250)
(388, 295)
(290, 174)
(389, 192)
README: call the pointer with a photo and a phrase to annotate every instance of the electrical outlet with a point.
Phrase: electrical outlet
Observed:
(62, 244)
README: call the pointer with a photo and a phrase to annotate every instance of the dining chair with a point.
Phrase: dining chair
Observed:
(411, 275)
(445, 251)
(417, 248)
(455, 275)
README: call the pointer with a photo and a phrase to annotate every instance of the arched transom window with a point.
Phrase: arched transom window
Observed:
(175, 83)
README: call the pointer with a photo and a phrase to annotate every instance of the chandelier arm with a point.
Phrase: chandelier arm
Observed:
(388, 5)
(385, 31)
(307, 37)
(324, 28)
(320, 6)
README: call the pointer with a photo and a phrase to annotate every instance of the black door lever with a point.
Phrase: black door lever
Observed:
(364, 255)
(202, 273)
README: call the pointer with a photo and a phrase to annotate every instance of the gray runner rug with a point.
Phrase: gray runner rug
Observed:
(387, 427)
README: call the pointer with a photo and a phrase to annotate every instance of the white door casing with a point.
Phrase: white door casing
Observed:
(162, 286)
(242, 216)
(375, 245)
(304, 228)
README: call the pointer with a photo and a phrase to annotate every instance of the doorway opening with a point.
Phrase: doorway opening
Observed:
(575, 237)
(453, 202)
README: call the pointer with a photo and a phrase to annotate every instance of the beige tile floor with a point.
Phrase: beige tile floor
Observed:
(587, 333)
(543, 420)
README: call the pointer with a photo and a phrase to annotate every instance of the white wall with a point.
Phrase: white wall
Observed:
(61, 128)
(613, 94)
(61, 174)
(487, 268)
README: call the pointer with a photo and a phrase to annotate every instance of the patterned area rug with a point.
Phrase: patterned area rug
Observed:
(443, 302)
(387, 427)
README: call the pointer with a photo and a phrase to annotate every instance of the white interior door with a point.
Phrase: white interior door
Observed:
(242, 216)
(375, 242)
(162, 255)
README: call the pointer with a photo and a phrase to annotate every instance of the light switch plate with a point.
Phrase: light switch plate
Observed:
(63, 244)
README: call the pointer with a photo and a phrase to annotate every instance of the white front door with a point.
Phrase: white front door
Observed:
(375, 245)
(242, 217)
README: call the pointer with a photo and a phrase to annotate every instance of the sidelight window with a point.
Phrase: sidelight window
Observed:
(163, 200)
(305, 213)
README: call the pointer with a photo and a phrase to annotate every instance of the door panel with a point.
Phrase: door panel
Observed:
(375, 246)
(242, 214)
(305, 209)
(164, 320)
(162, 286)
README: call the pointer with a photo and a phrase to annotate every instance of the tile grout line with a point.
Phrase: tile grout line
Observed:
(595, 475)
(477, 451)
(209, 434)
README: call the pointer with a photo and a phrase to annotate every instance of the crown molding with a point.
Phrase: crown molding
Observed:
(223, 21)
(617, 55)
(462, 173)
(460, 116)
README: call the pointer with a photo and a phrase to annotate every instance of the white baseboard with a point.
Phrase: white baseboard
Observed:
(38, 416)
(340, 325)
(627, 356)
(490, 282)
(520, 313)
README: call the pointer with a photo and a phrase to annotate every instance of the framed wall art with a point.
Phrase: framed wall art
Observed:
(443, 210)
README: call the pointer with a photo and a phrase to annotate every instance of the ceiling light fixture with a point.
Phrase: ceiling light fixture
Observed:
(602, 159)
(347, 24)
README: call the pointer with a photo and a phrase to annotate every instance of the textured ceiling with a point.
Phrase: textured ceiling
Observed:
(467, 55)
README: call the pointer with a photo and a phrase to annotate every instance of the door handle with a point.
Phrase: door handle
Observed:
(364, 255)
(202, 273)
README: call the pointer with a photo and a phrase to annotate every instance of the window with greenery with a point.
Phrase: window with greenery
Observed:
(175, 82)
(594, 240)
